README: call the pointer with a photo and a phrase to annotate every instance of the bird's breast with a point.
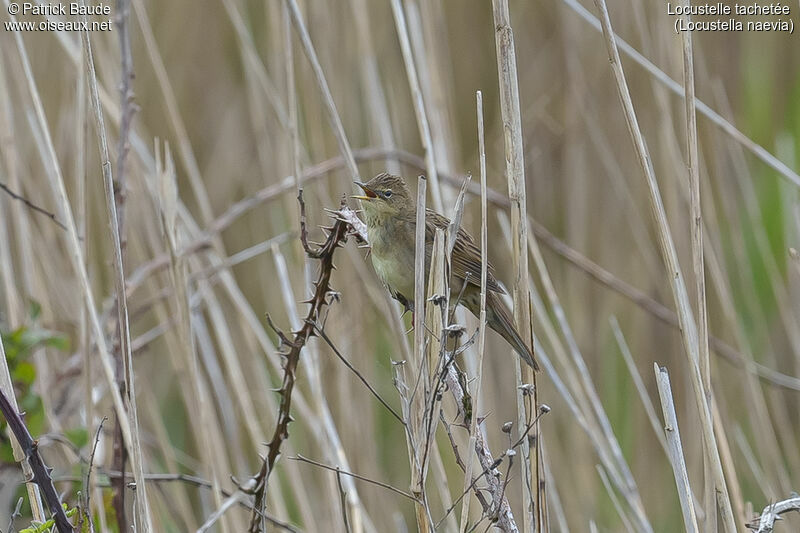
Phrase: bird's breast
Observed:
(393, 256)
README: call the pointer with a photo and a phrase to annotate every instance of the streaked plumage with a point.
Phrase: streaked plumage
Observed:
(390, 216)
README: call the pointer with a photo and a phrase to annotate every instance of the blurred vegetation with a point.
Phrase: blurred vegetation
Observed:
(211, 83)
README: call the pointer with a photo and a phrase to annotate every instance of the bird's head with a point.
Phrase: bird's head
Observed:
(386, 195)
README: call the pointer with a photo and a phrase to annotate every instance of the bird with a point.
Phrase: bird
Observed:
(390, 214)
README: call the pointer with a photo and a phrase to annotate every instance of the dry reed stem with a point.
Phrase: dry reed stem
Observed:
(232, 500)
(185, 149)
(213, 150)
(657, 309)
(760, 418)
(378, 106)
(121, 340)
(254, 66)
(427, 32)
(626, 521)
(137, 457)
(436, 313)
(291, 95)
(76, 250)
(756, 149)
(580, 261)
(687, 324)
(14, 211)
(416, 372)
(498, 507)
(675, 449)
(729, 465)
(419, 105)
(585, 411)
(641, 388)
(592, 269)
(586, 404)
(588, 391)
(322, 83)
(696, 221)
(477, 390)
(313, 60)
(515, 175)
(193, 386)
(696, 237)
(335, 450)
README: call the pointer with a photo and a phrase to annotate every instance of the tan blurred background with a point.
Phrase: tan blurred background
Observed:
(210, 80)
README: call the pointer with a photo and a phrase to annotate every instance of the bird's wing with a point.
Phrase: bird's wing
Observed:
(466, 254)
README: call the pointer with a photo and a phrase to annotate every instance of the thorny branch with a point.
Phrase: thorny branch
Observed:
(498, 508)
(41, 473)
(771, 514)
(337, 235)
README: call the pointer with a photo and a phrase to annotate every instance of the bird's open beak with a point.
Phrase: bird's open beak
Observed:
(370, 194)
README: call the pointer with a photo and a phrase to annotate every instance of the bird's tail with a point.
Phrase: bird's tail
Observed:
(499, 319)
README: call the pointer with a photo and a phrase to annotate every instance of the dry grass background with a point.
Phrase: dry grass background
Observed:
(211, 89)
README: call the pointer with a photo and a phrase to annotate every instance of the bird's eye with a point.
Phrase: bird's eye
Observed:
(387, 194)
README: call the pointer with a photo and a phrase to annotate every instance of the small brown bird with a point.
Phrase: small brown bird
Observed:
(390, 214)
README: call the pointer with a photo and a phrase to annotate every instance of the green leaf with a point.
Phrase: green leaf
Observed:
(37, 527)
(24, 373)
